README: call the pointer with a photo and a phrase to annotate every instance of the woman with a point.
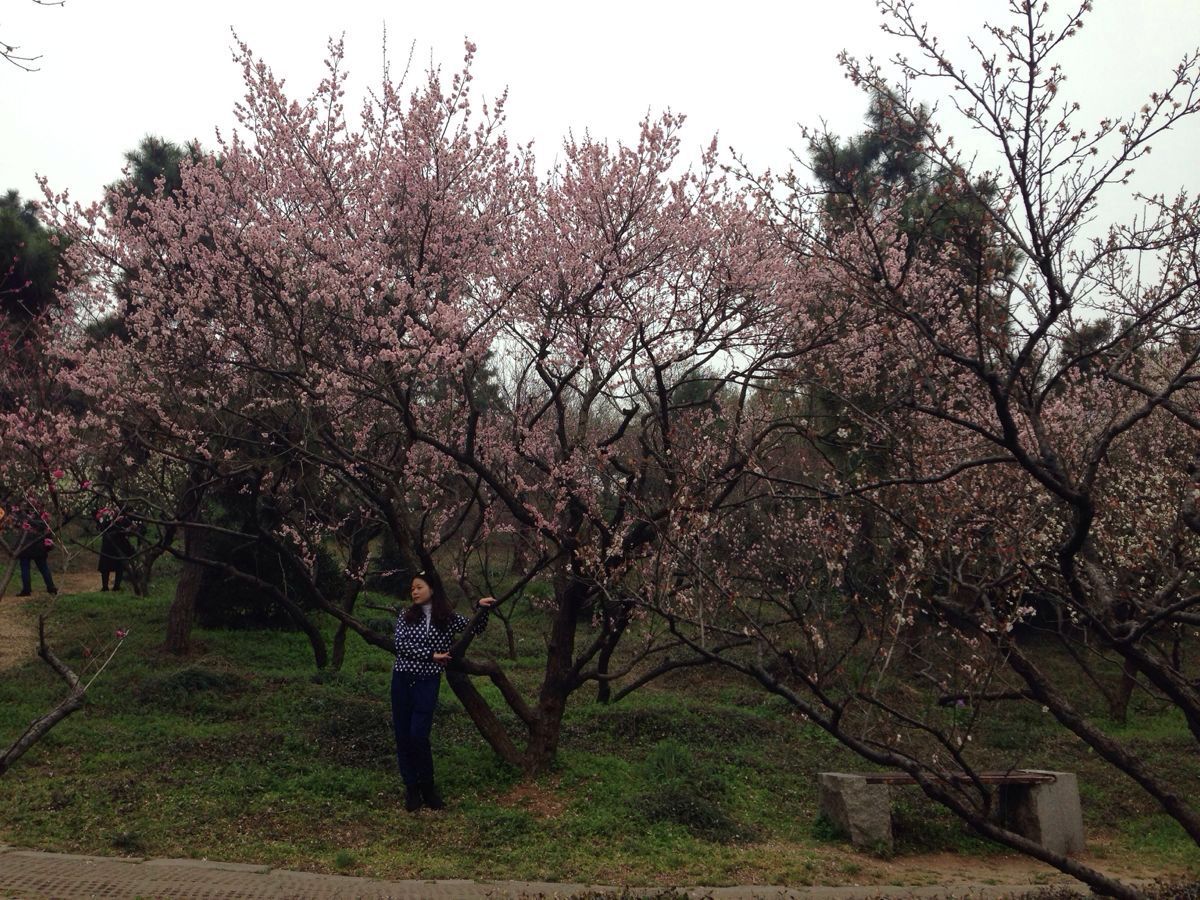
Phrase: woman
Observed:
(33, 547)
(115, 547)
(424, 633)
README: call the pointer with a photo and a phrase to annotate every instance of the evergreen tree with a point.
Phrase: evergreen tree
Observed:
(153, 162)
(29, 261)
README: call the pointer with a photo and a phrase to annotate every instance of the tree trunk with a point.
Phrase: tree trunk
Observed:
(182, 612)
(520, 560)
(316, 640)
(614, 627)
(338, 655)
(183, 608)
(1118, 701)
(139, 568)
(485, 719)
(510, 636)
(559, 681)
(360, 549)
(543, 738)
(543, 723)
(137, 575)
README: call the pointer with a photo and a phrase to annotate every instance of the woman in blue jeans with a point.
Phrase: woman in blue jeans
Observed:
(33, 547)
(424, 634)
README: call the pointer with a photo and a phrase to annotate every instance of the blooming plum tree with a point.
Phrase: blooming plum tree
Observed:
(1025, 467)
(404, 320)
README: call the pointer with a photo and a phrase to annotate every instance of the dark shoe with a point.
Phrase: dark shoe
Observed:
(429, 793)
(25, 594)
(105, 588)
(412, 798)
(52, 590)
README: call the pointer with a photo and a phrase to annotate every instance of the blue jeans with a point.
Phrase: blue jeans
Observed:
(414, 698)
(26, 583)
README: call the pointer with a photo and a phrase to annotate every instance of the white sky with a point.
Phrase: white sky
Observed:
(115, 70)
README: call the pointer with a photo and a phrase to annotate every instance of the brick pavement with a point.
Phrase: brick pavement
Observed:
(33, 875)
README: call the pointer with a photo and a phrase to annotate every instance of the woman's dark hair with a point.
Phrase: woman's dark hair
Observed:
(439, 603)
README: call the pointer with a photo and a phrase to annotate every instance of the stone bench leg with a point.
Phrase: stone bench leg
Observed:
(861, 811)
(1046, 813)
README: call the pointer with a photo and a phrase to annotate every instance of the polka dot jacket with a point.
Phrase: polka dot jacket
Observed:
(416, 644)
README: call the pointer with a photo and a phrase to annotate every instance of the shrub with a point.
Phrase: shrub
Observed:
(226, 601)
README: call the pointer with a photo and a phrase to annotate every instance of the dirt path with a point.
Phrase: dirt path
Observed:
(18, 618)
(18, 632)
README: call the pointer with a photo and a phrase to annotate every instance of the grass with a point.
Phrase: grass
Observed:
(244, 753)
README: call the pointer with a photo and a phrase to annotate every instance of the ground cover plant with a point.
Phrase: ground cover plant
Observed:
(244, 752)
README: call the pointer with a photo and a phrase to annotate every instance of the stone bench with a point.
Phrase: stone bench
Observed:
(1042, 806)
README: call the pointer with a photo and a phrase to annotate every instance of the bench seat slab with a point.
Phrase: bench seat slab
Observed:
(858, 809)
(1048, 814)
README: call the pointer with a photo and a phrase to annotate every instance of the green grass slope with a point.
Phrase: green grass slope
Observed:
(245, 753)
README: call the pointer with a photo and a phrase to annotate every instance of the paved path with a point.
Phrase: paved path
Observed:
(32, 874)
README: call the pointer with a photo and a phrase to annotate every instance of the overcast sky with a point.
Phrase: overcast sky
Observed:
(115, 70)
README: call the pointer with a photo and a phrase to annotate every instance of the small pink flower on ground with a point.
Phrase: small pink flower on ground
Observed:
(47, 542)
(58, 473)
(121, 632)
